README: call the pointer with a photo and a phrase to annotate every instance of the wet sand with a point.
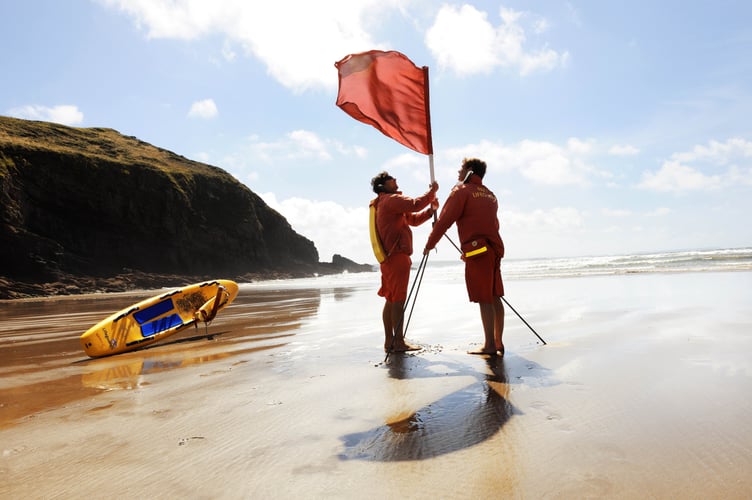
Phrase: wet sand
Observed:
(642, 391)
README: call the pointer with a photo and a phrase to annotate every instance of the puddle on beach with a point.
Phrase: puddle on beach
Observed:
(44, 367)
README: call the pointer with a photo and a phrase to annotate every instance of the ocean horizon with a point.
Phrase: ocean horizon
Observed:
(679, 261)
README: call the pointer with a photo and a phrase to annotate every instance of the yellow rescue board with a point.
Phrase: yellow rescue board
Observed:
(158, 317)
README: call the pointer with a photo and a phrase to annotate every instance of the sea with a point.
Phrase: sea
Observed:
(681, 261)
(727, 259)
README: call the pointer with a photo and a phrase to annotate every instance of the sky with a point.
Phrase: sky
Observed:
(608, 127)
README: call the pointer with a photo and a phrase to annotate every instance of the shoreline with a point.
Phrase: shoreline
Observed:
(685, 261)
(137, 281)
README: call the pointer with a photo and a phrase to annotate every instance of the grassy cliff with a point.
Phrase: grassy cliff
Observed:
(85, 209)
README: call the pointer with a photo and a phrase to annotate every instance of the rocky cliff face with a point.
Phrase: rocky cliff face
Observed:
(82, 207)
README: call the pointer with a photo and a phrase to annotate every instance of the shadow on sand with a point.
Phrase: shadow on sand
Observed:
(457, 421)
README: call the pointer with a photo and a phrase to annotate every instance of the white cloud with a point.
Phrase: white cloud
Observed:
(673, 176)
(702, 168)
(350, 149)
(541, 26)
(740, 176)
(298, 41)
(309, 144)
(556, 219)
(63, 114)
(579, 146)
(360, 151)
(539, 161)
(182, 19)
(332, 227)
(464, 40)
(335, 228)
(551, 166)
(413, 164)
(203, 109)
(718, 153)
(298, 144)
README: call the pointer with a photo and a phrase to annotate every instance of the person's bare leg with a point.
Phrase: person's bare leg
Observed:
(498, 324)
(398, 317)
(386, 317)
(488, 318)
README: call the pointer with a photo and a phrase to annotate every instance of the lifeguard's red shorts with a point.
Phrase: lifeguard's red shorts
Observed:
(395, 275)
(483, 277)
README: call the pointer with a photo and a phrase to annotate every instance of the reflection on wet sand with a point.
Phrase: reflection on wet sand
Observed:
(28, 400)
(44, 367)
(457, 421)
(129, 375)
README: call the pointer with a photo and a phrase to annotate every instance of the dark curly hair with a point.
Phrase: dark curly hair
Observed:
(477, 166)
(377, 183)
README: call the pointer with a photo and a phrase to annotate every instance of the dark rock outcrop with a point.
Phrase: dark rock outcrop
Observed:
(90, 209)
(340, 264)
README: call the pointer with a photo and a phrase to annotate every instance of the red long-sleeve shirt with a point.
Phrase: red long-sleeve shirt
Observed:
(474, 208)
(394, 214)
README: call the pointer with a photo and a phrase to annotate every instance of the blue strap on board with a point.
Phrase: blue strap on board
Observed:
(161, 325)
(152, 312)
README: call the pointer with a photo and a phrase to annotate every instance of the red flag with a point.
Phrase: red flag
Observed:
(386, 90)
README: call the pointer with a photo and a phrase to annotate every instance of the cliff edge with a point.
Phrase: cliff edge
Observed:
(89, 209)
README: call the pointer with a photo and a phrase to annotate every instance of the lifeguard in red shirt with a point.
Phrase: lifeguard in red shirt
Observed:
(474, 208)
(394, 214)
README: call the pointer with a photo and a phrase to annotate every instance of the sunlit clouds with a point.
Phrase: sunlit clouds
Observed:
(205, 109)
(704, 167)
(297, 41)
(465, 41)
(63, 114)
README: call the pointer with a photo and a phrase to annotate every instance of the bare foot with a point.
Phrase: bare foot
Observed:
(483, 352)
(404, 347)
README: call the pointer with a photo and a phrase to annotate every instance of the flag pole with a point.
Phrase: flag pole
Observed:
(429, 137)
(430, 166)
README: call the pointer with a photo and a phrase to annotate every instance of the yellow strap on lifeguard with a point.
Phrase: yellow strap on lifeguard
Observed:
(476, 251)
(378, 248)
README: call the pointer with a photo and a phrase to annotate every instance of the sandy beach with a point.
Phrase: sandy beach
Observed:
(643, 391)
